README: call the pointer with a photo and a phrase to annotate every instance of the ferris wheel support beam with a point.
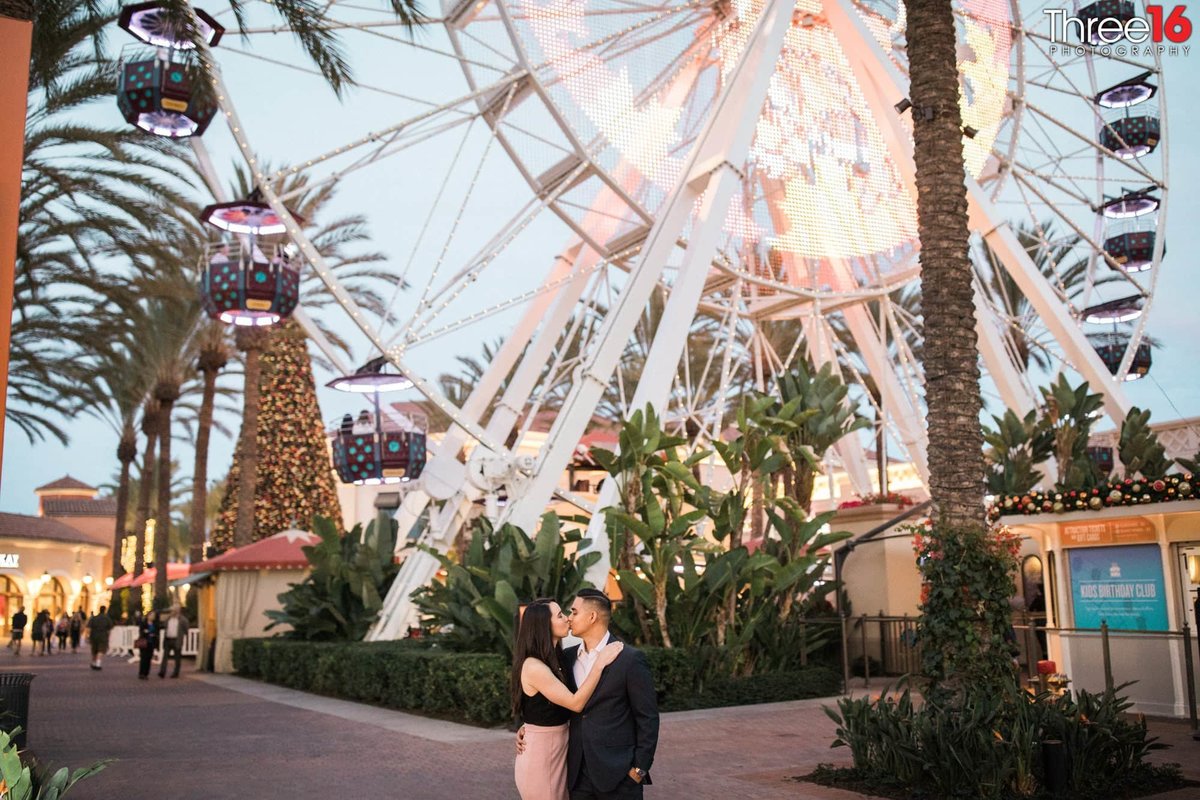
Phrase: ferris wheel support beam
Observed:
(445, 476)
(710, 176)
(883, 85)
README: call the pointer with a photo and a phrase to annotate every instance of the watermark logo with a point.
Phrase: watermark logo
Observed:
(1114, 28)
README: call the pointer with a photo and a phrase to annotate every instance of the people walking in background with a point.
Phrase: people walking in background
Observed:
(148, 628)
(39, 633)
(75, 629)
(175, 631)
(62, 629)
(19, 621)
(99, 626)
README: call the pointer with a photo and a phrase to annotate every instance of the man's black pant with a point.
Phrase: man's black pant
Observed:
(627, 789)
(171, 646)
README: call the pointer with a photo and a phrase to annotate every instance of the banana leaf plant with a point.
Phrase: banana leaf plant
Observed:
(343, 594)
(475, 607)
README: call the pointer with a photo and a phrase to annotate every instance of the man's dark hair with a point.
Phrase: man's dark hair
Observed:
(598, 600)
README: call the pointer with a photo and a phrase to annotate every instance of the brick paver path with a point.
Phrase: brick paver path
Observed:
(196, 739)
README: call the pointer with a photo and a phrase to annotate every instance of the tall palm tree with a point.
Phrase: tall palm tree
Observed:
(166, 392)
(251, 341)
(213, 346)
(956, 466)
(151, 428)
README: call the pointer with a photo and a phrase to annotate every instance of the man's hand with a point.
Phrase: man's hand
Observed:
(635, 774)
(520, 740)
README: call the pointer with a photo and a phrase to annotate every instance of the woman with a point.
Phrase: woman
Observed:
(543, 701)
(61, 629)
(39, 633)
(146, 641)
(78, 620)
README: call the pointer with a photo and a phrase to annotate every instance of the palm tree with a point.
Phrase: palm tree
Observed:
(151, 428)
(956, 466)
(213, 345)
(306, 19)
(166, 392)
(251, 341)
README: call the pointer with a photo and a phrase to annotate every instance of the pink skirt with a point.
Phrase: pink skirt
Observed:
(541, 771)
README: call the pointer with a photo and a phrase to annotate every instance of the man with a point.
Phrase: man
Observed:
(174, 634)
(19, 621)
(612, 741)
(99, 627)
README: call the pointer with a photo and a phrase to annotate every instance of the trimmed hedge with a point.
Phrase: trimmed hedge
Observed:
(473, 687)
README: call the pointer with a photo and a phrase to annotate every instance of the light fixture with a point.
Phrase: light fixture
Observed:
(1127, 93)
(251, 216)
(46, 576)
(148, 22)
(1121, 310)
(903, 105)
(1133, 204)
(87, 579)
(377, 375)
(108, 581)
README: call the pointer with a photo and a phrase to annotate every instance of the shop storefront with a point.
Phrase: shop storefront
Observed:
(1135, 570)
(46, 564)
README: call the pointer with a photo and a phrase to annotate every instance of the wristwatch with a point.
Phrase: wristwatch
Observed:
(640, 773)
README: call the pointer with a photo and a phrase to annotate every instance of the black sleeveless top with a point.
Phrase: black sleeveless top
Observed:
(537, 710)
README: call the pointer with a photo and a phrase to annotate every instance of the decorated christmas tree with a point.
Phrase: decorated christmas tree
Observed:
(295, 479)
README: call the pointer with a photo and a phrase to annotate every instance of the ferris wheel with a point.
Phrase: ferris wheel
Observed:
(730, 185)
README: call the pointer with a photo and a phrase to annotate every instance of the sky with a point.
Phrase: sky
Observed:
(305, 119)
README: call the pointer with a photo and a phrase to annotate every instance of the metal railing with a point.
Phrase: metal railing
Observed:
(889, 646)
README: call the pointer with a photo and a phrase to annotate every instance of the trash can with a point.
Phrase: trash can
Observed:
(14, 703)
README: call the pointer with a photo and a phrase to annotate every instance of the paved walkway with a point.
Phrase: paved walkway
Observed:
(204, 737)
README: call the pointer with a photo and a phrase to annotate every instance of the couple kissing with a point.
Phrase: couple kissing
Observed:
(589, 713)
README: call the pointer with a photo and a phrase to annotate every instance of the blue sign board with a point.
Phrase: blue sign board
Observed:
(1121, 585)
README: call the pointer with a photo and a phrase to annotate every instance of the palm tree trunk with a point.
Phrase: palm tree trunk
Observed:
(145, 483)
(162, 531)
(126, 453)
(17, 9)
(250, 341)
(956, 467)
(200, 469)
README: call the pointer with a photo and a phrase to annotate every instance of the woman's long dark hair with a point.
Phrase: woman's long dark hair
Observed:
(535, 639)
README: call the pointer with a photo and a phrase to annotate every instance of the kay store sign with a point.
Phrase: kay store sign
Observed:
(10, 560)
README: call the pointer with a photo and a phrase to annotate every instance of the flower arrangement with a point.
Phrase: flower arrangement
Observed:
(886, 498)
(1127, 492)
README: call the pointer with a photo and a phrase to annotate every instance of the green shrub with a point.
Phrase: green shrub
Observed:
(473, 687)
(402, 675)
(989, 744)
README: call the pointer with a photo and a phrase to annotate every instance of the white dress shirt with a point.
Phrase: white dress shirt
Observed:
(585, 660)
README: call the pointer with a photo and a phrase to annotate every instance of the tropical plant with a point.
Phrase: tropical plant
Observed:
(1139, 449)
(1068, 416)
(1015, 447)
(21, 782)
(476, 607)
(343, 593)
(819, 413)
(991, 744)
(655, 523)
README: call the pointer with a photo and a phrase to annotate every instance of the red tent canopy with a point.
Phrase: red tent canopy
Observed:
(281, 551)
(128, 581)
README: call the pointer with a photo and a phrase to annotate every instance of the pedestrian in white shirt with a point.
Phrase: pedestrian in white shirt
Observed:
(174, 633)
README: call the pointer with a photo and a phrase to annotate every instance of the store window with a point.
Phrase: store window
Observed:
(11, 599)
(53, 598)
(85, 601)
